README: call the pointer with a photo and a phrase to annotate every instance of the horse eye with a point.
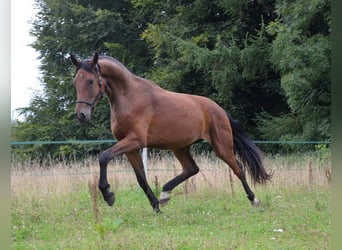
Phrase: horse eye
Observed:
(90, 81)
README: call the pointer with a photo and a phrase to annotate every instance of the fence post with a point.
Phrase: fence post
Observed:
(310, 172)
(144, 158)
(231, 181)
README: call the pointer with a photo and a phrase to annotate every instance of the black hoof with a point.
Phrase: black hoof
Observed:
(109, 198)
(156, 209)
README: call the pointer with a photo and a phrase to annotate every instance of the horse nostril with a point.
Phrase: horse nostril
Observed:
(81, 117)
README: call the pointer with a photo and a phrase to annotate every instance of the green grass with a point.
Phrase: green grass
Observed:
(296, 219)
(63, 213)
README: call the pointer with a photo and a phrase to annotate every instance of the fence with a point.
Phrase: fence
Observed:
(144, 152)
(15, 143)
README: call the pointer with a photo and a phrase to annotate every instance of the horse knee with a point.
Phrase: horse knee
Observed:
(104, 158)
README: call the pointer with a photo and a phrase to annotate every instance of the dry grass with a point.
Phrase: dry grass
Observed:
(29, 180)
(60, 207)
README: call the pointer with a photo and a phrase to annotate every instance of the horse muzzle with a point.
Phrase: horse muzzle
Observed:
(83, 115)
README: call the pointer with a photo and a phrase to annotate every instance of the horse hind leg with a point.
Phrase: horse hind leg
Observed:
(236, 166)
(250, 195)
(226, 153)
(189, 169)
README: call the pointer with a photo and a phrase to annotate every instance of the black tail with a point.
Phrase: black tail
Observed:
(249, 153)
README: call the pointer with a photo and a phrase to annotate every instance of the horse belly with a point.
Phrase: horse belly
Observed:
(172, 131)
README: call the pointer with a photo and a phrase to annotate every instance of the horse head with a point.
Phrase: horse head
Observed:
(89, 86)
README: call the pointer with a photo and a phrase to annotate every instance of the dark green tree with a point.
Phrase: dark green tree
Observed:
(218, 49)
(82, 28)
(266, 62)
(301, 52)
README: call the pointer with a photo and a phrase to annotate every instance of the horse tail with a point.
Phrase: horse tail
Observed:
(249, 153)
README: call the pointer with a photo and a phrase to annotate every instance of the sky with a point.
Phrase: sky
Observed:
(26, 81)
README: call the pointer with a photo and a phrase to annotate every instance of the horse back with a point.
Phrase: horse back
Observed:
(182, 119)
(164, 119)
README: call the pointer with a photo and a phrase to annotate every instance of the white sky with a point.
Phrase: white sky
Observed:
(24, 82)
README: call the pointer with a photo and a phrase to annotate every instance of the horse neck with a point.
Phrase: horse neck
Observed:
(118, 79)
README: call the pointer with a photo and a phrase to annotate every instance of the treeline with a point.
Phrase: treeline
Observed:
(266, 62)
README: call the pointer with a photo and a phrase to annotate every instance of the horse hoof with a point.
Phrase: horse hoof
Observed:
(255, 202)
(157, 210)
(164, 198)
(163, 202)
(109, 198)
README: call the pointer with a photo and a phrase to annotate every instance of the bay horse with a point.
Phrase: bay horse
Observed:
(146, 115)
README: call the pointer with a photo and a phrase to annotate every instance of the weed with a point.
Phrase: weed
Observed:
(108, 225)
(93, 193)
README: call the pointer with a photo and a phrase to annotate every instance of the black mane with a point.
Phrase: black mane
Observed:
(85, 65)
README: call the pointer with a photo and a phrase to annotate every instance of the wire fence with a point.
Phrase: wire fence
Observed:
(131, 171)
(144, 157)
(15, 143)
(306, 170)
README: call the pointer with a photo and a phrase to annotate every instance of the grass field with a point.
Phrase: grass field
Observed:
(60, 208)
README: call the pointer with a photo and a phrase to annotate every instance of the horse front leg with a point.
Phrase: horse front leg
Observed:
(138, 166)
(123, 146)
(104, 186)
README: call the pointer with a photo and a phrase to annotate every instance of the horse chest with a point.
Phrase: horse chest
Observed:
(121, 126)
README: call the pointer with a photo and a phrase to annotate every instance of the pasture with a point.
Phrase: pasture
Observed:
(60, 207)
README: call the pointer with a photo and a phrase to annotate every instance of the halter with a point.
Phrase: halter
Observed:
(100, 94)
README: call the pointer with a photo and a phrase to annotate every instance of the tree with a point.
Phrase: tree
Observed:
(218, 49)
(101, 26)
(267, 62)
(301, 53)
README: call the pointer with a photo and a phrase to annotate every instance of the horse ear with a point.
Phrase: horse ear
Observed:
(75, 61)
(95, 60)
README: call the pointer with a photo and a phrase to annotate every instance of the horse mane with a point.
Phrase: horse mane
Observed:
(85, 64)
(117, 62)
(122, 66)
